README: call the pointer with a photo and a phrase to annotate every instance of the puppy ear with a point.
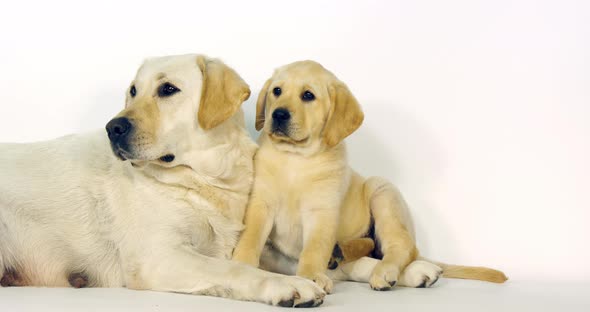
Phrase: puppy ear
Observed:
(345, 114)
(222, 94)
(261, 105)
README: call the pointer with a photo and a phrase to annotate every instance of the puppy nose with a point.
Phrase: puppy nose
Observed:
(118, 128)
(281, 114)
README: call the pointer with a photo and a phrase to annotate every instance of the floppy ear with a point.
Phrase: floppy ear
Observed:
(222, 94)
(261, 105)
(345, 114)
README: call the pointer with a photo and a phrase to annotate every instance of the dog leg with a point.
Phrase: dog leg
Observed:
(355, 249)
(418, 274)
(319, 239)
(357, 271)
(184, 270)
(394, 240)
(258, 222)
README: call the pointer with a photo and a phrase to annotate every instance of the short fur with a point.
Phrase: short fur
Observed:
(71, 213)
(306, 198)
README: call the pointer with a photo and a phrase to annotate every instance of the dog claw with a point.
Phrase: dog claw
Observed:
(286, 303)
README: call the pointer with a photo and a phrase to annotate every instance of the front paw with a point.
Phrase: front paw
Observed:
(291, 291)
(384, 276)
(322, 280)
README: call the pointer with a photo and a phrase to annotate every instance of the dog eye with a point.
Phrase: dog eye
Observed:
(132, 91)
(277, 91)
(167, 89)
(307, 96)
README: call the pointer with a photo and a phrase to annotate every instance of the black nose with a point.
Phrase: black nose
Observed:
(281, 114)
(118, 128)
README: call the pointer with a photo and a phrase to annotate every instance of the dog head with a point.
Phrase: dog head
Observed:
(303, 106)
(171, 101)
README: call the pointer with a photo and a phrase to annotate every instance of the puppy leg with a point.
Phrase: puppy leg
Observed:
(355, 249)
(359, 270)
(181, 269)
(394, 240)
(349, 266)
(319, 238)
(259, 222)
(420, 274)
(351, 250)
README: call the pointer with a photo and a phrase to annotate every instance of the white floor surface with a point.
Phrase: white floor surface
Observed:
(447, 295)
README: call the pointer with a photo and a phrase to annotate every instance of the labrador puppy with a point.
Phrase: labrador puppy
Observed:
(306, 198)
(154, 203)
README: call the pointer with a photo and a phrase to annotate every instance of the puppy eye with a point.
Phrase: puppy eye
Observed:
(132, 91)
(277, 91)
(167, 89)
(307, 96)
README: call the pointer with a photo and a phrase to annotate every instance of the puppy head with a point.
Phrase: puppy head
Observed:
(304, 106)
(171, 102)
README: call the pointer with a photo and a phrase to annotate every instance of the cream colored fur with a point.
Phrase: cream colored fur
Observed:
(306, 197)
(70, 206)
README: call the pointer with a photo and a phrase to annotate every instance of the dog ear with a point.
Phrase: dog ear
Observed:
(222, 94)
(261, 105)
(345, 115)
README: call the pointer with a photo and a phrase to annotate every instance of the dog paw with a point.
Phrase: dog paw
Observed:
(291, 291)
(324, 282)
(420, 274)
(321, 279)
(384, 276)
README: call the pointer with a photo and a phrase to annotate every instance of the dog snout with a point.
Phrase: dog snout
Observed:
(281, 115)
(118, 129)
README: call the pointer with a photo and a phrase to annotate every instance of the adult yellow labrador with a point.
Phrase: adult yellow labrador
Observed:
(155, 203)
(306, 198)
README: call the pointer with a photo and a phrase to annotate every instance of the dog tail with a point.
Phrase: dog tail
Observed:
(471, 272)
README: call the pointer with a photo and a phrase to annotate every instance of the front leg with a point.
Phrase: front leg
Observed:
(183, 270)
(319, 238)
(258, 222)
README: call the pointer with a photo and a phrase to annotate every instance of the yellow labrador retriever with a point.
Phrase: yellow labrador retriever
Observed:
(306, 198)
(155, 203)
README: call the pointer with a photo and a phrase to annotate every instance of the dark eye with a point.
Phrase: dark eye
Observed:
(132, 91)
(307, 96)
(277, 91)
(167, 89)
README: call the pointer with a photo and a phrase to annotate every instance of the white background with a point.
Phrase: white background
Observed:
(478, 110)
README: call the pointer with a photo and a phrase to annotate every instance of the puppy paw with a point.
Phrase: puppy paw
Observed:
(291, 291)
(322, 280)
(384, 276)
(420, 274)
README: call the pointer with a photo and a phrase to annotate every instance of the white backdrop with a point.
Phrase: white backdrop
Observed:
(478, 110)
